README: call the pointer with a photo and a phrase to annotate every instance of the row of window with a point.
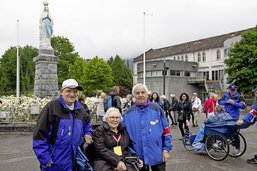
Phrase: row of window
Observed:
(202, 57)
(160, 73)
(216, 75)
(181, 58)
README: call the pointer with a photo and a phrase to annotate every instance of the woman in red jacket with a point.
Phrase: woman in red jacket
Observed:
(210, 104)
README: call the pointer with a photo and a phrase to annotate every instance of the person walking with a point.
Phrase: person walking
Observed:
(196, 108)
(148, 129)
(61, 126)
(100, 107)
(116, 102)
(166, 108)
(210, 105)
(184, 108)
(173, 110)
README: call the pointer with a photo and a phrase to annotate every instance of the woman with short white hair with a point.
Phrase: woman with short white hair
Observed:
(111, 142)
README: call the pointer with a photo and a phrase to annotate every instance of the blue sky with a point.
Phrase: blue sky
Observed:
(105, 28)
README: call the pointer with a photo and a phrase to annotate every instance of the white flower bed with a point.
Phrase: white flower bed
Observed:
(18, 110)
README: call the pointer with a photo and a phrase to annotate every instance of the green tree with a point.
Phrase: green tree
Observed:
(97, 75)
(121, 72)
(242, 62)
(77, 70)
(8, 70)
(64, 50)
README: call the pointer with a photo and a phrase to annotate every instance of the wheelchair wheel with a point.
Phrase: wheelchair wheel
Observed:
(187, 145)
(216, 146)
(233, 151)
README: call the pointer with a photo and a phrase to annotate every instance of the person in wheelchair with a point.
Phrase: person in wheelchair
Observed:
(220, 116)
(111, 142)
(251, 117)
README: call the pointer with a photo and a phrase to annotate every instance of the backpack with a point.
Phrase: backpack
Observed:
(107, 103)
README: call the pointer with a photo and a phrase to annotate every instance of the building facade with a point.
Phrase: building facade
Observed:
(196, 66)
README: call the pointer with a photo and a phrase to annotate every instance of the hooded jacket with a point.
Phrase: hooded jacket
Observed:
(58, 133)
(233, 110)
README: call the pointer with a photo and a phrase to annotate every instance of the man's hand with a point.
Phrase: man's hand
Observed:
(88, 139)
(240, 122)
(165, 155)
(140, 164)
(121, 166)
(230, 101)
(49, 164)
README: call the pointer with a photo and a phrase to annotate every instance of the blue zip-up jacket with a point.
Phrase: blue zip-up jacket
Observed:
(233, 110)
(148, 129)
(58, 134)
(250, 115)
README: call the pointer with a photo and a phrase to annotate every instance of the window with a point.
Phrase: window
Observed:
(174, 58)
(174, 73)
(178, 58)
(186, 58)
(182, 58)
(199, 57)
(206, 75)
(218, 55)
(187, 73)
(215, 75)
(204, 56)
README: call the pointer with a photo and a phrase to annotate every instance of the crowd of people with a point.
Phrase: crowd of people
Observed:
(139, 128)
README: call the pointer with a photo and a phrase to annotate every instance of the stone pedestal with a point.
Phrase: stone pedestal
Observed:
(46, 79)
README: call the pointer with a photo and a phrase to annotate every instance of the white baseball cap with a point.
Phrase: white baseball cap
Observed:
(71, 83)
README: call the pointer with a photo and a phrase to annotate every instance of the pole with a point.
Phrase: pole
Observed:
(18, 65)
(164, 74)
(144, 51)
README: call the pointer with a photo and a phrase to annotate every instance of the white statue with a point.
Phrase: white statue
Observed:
(45, 27)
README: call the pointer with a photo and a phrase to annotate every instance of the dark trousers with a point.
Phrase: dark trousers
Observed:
(180, 125)
(158, 167)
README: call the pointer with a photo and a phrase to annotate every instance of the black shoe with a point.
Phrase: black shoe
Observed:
(194, 125)
(252, 161)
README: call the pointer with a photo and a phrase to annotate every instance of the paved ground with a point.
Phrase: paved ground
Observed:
(16, 154)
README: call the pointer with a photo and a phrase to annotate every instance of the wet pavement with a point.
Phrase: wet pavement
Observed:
(16, 154)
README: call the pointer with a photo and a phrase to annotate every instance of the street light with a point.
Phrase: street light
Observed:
(144, 51)
(144, 14)
(18, 65)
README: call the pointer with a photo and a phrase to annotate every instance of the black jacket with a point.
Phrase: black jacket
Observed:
(184, 110)
(104, 144)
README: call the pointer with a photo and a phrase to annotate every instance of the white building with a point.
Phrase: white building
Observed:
(208, 54)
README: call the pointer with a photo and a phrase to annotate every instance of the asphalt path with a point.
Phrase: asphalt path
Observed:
(16, 154)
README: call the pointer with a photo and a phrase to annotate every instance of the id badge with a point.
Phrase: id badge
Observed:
(117, 150)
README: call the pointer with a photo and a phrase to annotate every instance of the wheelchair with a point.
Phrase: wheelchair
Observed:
(221, 140)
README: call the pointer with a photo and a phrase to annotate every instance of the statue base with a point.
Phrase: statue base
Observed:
(46, 79)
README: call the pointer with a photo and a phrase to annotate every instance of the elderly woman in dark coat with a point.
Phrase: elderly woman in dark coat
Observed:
(111, 143)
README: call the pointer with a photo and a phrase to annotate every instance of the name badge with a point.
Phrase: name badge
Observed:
(117, 150)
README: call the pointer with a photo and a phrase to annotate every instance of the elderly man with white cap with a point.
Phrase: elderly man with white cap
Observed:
(61, 126)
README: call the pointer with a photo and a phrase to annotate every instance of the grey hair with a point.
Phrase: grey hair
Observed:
(138, 85)
(172, 95)
(163, 97)
(110, 111)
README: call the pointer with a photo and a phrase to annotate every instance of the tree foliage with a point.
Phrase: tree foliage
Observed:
(97, 75)
(242, 62)
(64, 50)
(122, 75)
(8, 70)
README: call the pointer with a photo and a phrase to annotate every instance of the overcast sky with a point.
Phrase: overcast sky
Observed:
(105, 28)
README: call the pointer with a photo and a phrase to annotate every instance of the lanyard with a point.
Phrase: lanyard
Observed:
(117, 140)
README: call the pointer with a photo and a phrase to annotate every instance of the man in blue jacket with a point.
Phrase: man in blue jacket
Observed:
(251, 117)
(148, 129)
(61, 126)
(233, 102)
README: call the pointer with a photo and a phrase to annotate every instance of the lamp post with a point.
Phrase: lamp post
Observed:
(144, 50)
(164, 74)
(17, 65)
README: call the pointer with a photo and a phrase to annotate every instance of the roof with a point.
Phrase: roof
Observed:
(189, 47)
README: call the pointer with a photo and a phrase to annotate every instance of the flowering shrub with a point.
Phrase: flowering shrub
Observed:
(18, 110)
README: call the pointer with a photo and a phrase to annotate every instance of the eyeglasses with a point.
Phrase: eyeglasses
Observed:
(115, 118)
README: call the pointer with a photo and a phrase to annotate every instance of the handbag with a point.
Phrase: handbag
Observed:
(82, 161)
